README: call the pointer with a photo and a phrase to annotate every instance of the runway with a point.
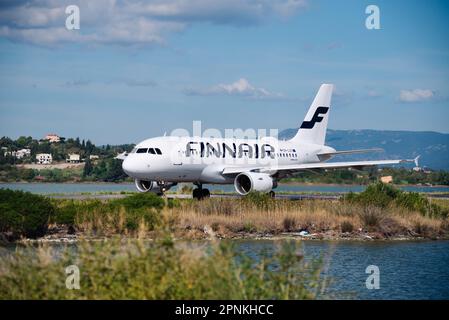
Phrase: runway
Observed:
(293, 197)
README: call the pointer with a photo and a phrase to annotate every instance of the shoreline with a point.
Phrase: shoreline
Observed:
(300, 184)
(61, 235)
(74, 239)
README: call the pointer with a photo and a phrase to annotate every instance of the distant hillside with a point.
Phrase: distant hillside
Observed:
(432, 146)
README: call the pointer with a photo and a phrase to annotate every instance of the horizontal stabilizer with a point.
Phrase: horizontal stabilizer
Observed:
(122, 156)
(343, 152)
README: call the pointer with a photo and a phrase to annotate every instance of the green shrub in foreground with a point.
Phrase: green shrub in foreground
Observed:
(24, 213)
(161, 270)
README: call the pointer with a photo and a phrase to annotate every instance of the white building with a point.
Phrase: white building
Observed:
(94, 157)
(44, 158)
(73, 158)
(19, 154)
(23, 153)
(52, 137)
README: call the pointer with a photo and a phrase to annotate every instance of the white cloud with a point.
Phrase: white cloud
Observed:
(416, 95)
(373, 93)
(76, 83)
(130, 22)
(241, 87)
(341, 96)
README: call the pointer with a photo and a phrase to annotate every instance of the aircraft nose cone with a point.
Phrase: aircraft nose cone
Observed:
(134, 167)
(127, 167)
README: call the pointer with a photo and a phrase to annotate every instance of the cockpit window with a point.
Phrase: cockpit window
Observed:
(142, 150)
(151, 150)
(158, 151)
(133, 150)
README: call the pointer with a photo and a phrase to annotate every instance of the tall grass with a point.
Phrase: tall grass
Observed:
(120, 216)
(380, 210)
(230, 217)
(137, 270)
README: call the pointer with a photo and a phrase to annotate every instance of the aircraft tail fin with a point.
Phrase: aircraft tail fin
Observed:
(313, 128)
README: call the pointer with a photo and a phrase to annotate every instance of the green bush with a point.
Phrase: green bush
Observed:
(173, 203)
(24, 213)
(66, 213)
(383, 195)
(259, 199)
(150, 216)
(140, 200)
(416, 202)
(378, 194)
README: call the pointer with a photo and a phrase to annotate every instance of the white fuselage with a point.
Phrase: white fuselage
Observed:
(157, 164)
(202, 160)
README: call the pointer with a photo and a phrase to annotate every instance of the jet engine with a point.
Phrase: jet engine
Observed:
(246, 182)
(145, 186)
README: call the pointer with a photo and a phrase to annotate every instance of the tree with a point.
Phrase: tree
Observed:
(88, 168)
(115, 171)
(23, 141)
(89, 147)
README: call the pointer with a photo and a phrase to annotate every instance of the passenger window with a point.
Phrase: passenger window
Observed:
(158, 151)
(151, 150)
(142, 150)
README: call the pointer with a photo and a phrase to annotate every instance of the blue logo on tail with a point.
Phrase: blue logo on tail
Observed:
(316, 118)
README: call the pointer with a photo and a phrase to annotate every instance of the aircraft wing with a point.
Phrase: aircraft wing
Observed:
(291, 168)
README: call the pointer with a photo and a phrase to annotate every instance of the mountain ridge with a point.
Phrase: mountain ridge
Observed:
(433, 147)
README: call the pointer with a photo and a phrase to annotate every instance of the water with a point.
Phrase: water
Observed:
(408, 269)
(48, 188)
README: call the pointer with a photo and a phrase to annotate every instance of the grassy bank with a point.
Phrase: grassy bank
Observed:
(380, 212)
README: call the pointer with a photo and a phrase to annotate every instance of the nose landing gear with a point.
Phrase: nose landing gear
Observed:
(200, 193)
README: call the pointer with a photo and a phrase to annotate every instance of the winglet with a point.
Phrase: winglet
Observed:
(121, 156)
(416, 160)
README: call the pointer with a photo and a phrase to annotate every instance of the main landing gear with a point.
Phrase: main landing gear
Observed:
(272, 194)
(200, 193)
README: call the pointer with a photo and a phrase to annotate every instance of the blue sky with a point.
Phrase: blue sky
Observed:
(139, 69)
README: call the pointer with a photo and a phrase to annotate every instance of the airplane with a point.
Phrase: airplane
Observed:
(158, 164)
